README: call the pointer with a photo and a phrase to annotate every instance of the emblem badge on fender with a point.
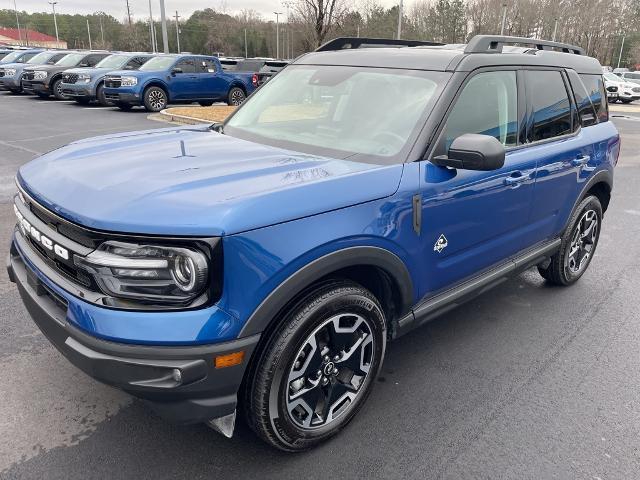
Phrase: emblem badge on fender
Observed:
(441, 244)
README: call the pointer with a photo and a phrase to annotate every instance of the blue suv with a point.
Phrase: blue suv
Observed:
(263, 264)
(87, 84)
(177, 79)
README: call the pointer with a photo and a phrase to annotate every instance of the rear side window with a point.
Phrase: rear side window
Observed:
(595, 89)
(586, 109)
(187, 65)
(55, 58)
(550, 106)
(206, 66)
(488, 105)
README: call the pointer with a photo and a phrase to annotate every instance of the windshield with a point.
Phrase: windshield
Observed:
(71, 60)
(611, 77)
(338, 111)
(12, 56)
(113, 61)
(158, 63)
(41, 58)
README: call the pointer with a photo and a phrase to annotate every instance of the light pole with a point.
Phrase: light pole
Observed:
(621, 48)
(89, 33)
(504, 18)
(178, 30)
(55, 22)
(555, 30)
(288, 4)
(163, 19)
(277, 14)
(400, 20)
(17, 21)
(152, 29)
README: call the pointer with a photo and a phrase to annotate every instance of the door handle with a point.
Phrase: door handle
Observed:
(516, 178)
(580, 160)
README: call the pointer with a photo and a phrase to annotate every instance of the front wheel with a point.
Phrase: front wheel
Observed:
(318, 367)
(56, 88)
(578, 245)
(155, 99)
(100, 96)
(236, 97)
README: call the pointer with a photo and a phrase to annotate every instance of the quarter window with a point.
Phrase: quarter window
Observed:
(488, 105)
(550, 106)
(187, 66)
(597, 94)
(586, 109)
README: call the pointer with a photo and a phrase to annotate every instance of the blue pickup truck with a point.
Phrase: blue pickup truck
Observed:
(177, 79)
(263, 264)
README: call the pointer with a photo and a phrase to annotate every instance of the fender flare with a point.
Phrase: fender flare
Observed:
(322, 266)
(154, 82)
(602, 176)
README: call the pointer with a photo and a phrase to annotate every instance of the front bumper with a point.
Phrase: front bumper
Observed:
(76, 90)
(33, 87)
(10, 83)
(628, 95)
(123, 95)
(203, 391)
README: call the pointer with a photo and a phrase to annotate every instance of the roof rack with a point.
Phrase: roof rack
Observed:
(494, 44)
(342, 43)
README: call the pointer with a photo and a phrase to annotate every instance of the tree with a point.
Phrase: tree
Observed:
(320, 16)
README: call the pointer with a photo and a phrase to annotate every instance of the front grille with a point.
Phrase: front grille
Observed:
(112, 96)
(69, 78)
(113, 82)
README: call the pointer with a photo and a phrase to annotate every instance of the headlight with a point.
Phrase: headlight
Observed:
(83, 77)
(148, 273)
(129, 81)
(39, 75)
(9, 72)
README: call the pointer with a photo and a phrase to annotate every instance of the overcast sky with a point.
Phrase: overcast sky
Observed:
(140, 8)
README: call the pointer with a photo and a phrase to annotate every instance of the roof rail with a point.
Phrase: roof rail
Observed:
(341, 43)
(494, 44)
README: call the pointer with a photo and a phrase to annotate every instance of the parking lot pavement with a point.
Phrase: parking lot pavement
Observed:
(527, 381)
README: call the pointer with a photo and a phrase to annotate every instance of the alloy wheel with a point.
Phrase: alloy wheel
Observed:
(329, 370)
(237, 97)
(157, 100)
(583, 242)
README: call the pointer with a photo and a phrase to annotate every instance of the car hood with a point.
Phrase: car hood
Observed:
(13, 65)
(46, 68)
(133, 73)
(193, 181)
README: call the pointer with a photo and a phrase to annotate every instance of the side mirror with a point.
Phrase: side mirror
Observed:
(473, 152)
(176, 70)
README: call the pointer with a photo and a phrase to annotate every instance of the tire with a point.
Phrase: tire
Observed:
(125, 107)
(236, 96)
(56, 88)
(287, 423)
(155, 99)
(102, 100)
(566, 268)
(83, 100)
(206, 103)
(15, 91)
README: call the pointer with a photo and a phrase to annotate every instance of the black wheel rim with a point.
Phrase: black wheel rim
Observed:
(59, 90)
(237, 97)
(583, 242)
(157, 100)
(329, 371)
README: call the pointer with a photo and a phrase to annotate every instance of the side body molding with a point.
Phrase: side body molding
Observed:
(307, 275)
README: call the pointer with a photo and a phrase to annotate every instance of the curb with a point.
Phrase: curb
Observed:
(184, 119)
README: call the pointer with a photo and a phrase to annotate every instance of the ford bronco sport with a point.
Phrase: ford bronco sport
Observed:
(261, 265)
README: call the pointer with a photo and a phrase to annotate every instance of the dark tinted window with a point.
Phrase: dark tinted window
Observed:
(250, 65)
(92, 60)
(187, 65)
(595, 89)
(488, 105)
(135, 63)
(586, 110)
(550, 105)
(55, 58)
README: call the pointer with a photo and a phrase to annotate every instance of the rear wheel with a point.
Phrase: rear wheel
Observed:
(318, 367)
(56, 88)
(155, 99)
(124, 106)
(236, 96)
(578, 246)
(102, 99)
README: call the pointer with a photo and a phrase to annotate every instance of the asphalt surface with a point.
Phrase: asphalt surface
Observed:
(528, 381)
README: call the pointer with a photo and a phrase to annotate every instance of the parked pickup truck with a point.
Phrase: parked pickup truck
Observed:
(87, 84)
(11, 73)
(177, 79)
(44, 80)
(263, 264)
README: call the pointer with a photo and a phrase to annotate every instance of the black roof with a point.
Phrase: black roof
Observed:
(481, 51)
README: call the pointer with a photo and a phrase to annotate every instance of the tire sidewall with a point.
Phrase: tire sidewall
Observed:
(589, 203)
(292, 436)
(230, 97)
(102, 100)
(55, 90)
(147, 103)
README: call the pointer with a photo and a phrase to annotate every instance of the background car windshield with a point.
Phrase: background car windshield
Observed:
(366, 112)
(113, 61)
(611, 77)
(12, 56)
(41, 58)
(158, 63)
(71, 60)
